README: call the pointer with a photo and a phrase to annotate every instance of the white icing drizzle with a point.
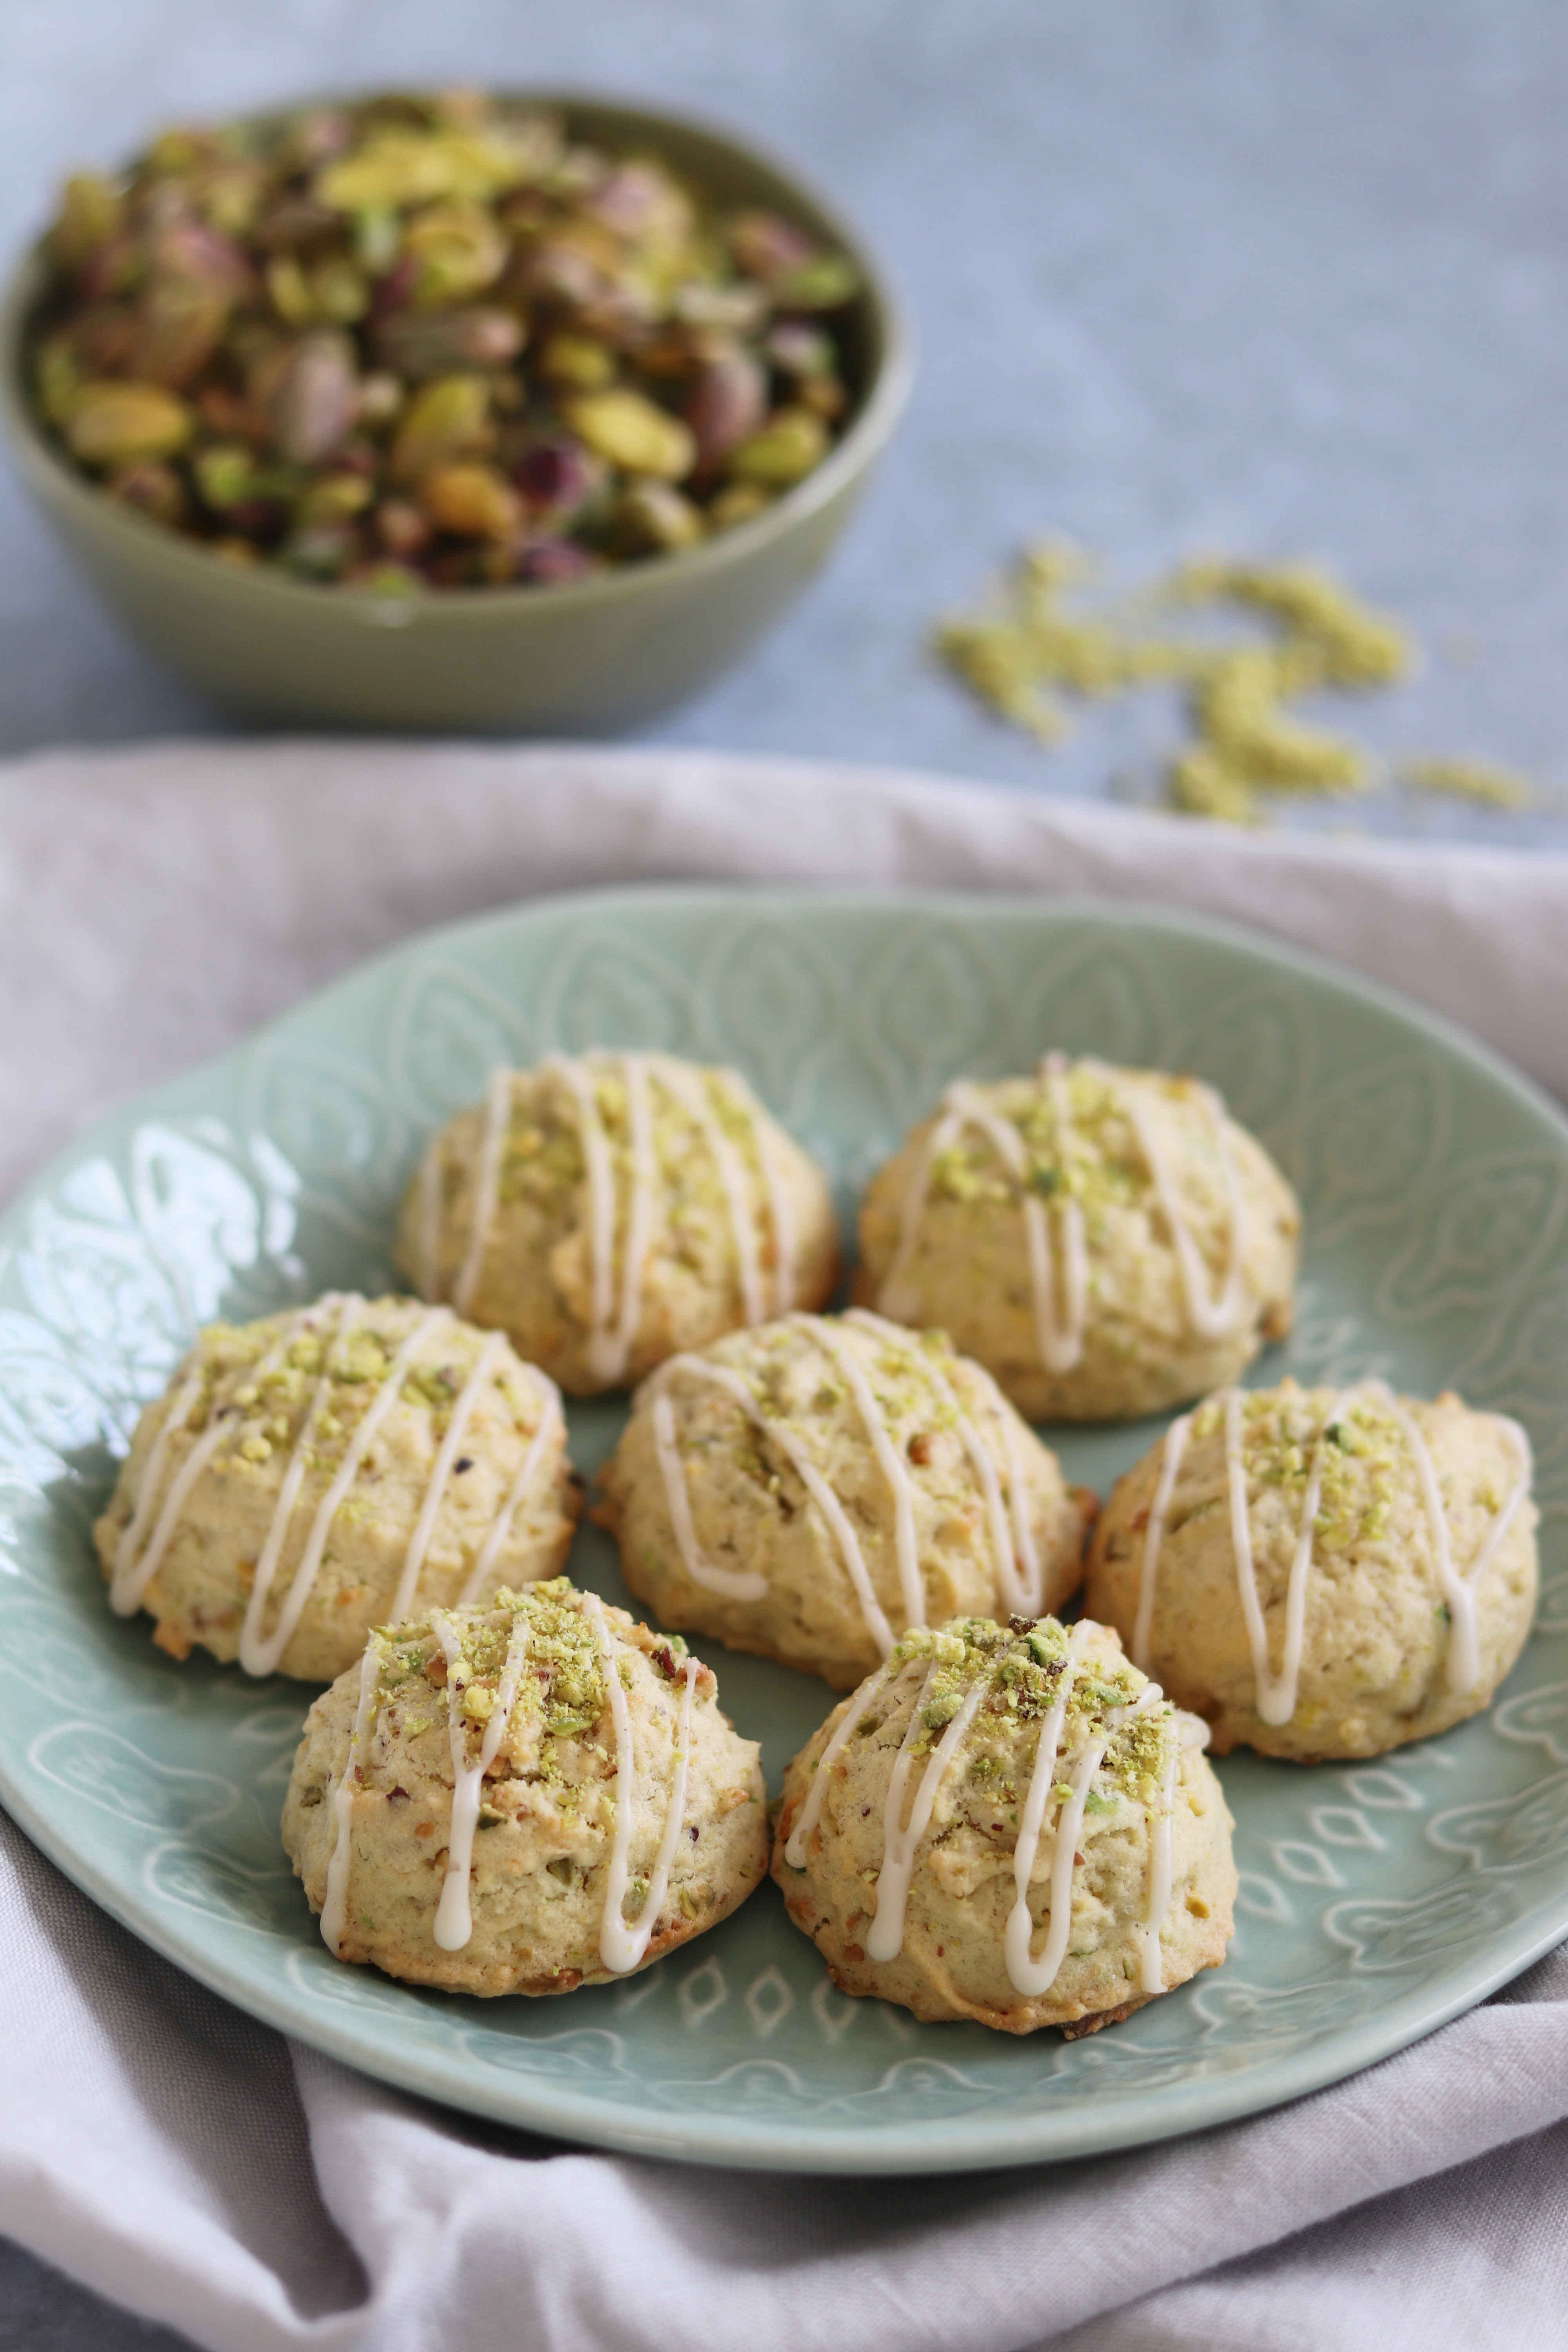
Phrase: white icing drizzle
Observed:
(613, 1329)
(491, 1350)
(1212, 1315)
(1162, 1869)
(811, 1811)
(347, 1306)
(614, 1321)
(690, 1089)
(1030, 1588)
(335, 1909)
(1524, 1473)
(124, 1593)
(1066, 1348)
(453, 1916)
(548, 1422)
(1276, 1695)
(780, 1208)
(600, 1175)
(1021, 1971)
(430, 1205)
(822, 1494)
(900, 1840)
(621, 1948)
(1058, 1342)
(1175, 1447)
(260, 1653)
(1022, 1591)
(948, 1127)
(1034, 1977)
(487, 1187)
(885, 1939)
(1024, 1595)
(1464, 1659)
(639, 1212)
(132, 1575)
(737, 1584)
(889, 1460)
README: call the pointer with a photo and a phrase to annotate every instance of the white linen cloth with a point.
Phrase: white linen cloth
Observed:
(180, 2159)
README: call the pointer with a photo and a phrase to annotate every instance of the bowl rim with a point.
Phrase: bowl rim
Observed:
(55, 482)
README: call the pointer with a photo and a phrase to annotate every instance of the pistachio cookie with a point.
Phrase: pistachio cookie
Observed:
(308, 1477)
(607, 1211)
(1008, 1823)
(1322, 1572)
(522, 1798)
(812, 1489)
(1106, 1241)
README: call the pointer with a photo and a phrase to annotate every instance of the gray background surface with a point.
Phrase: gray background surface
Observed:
(1267, 276)
(1275, 277)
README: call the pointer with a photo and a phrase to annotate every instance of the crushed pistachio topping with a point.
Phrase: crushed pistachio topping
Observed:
(275, 1407)
(1095, 1159)
(792, 1379)
(560, 1695)
(436, 1385)
(543, 1162)
(1029, 648)
(1363, 1452)
(1021, 1665)
(1361, 1460)
(541, 1154)
(360, 1356)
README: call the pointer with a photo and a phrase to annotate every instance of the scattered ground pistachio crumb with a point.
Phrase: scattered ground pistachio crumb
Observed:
(1470, 780)
(1028, 648)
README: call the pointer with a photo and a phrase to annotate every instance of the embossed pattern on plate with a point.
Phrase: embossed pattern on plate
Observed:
(1376, 1899)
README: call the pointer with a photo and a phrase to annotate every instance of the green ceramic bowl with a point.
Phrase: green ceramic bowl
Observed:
(589, 658)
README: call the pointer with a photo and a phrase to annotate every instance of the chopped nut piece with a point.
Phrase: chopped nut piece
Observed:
(415, 285)
(654, 517)
(470, 501)
(783, 452)
(631, 431)
(448, 420)
(109, 423)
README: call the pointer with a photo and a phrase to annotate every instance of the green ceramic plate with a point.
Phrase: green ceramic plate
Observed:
(1376, 1900)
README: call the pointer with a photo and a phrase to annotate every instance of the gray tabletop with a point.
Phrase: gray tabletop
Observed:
(1238, 275)
(1185, 275)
